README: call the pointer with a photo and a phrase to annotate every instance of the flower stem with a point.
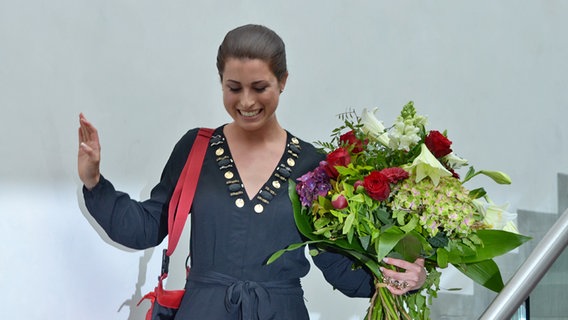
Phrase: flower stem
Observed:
(371, 310)
(388, 303)
(386, 306)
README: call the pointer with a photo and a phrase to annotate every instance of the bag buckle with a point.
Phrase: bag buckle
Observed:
(165, 262)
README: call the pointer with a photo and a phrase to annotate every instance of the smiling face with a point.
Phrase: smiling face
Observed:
(251, 93)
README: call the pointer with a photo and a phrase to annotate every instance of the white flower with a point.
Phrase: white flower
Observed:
(497, 216)
(373, 127)
(426, 165)
(454, 161)
(404, 135)
(420, 121)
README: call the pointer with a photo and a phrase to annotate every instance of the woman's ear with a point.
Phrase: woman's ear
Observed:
(282, 82)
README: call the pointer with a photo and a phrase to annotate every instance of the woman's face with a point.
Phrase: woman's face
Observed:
(251, 93)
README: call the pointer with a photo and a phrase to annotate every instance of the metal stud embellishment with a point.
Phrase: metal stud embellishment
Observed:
(295, 148)
(234, 187)
(282, 173)
(266, 195)
(270, 190)
(291, 162)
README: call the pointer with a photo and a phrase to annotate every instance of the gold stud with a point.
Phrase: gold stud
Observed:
(276, 184)
(258, 208)
(240, 202)
(295, 140)
(219, 152)
(291, 162)
(229, 175)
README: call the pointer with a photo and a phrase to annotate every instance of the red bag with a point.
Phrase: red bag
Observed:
(165, 303)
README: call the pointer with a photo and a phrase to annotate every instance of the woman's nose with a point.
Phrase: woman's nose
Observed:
(247, 99)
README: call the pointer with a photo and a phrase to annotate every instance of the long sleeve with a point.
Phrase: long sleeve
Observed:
(138, 224)
(338, 271)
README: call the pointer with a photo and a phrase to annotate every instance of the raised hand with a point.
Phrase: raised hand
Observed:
(89, 156)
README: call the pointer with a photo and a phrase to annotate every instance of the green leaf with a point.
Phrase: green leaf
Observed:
(410, 225)
(470, 174)
(399, 215)
(275, 256)
(291, 247)
(442, 257)
(485, 272)
(321, 222)
(365, 240)
(440, 240)
(456, 250)
(348, 223)
(427, 249)
(321, 231)
(369, 262)
(346, 245)
(495, 243)
(477, 193)
(383, 216)
(359, 198)
(409, 248)
(300, 216)
(350, 235)
(388, 240)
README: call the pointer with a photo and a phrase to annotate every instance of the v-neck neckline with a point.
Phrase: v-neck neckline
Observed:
(270, 187)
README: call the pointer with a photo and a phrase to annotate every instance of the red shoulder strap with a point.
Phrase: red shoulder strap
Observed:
(182, 198)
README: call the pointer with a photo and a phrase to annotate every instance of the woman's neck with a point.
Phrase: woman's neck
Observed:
(266, 134)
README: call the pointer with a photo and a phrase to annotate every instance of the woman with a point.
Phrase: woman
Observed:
(233, 232)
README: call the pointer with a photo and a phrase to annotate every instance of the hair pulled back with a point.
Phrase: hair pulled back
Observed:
(253, 42)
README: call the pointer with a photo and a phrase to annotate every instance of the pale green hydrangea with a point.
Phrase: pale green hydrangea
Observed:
(446, 206)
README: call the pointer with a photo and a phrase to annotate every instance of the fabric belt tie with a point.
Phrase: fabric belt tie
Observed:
(245, 295)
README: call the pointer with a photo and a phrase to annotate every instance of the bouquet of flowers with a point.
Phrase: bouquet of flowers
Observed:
(394, 192)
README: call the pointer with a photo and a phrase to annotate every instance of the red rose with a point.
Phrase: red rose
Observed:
(395, 174)
(438, 144)
(339, 157)
(377, 186)
(349, 139)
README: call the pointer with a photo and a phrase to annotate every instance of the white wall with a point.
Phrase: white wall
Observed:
(492, 73)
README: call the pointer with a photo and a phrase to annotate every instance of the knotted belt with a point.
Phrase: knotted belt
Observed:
(250, 297)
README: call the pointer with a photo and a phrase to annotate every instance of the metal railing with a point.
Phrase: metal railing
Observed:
(530, 272)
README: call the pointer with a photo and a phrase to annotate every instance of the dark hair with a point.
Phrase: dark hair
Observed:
(253, 42)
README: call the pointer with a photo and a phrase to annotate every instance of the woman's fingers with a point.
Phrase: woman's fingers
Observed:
(87, 133)
(89, 153)
(84, 147)
(412, 278)
(412, 266)
(88, 137)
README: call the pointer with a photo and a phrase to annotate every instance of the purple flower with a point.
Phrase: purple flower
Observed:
(313, 184)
